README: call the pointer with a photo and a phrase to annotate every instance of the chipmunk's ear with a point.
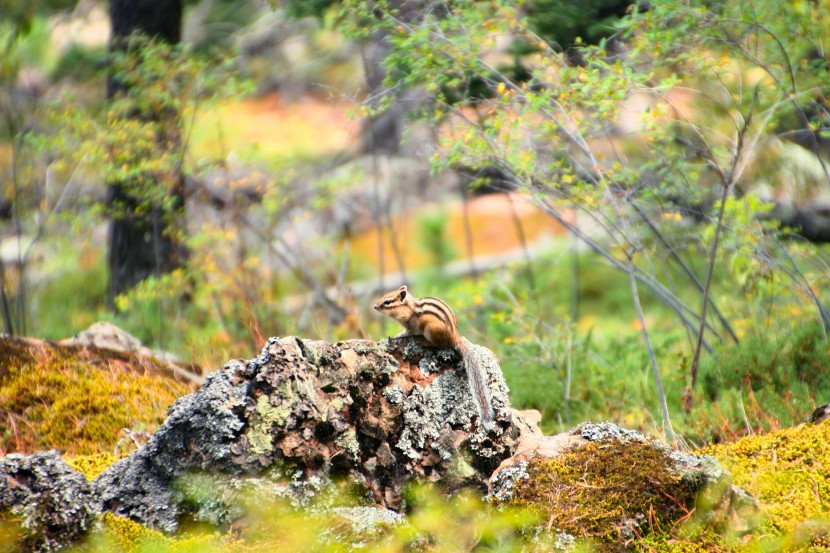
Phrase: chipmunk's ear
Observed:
(402, 293)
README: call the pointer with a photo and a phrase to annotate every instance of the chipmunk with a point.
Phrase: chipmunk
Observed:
(434, 320)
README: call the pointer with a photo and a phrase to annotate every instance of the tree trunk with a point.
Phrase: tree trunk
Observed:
(381, 134)
(141, 239)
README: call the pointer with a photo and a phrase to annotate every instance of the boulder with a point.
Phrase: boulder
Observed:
(106, 336)
(46, 503)
(820, 414)
(305, 413)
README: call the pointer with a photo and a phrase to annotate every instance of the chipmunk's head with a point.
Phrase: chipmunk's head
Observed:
(390, 304)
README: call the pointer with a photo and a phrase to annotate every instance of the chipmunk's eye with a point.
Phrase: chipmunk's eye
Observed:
(387, 301)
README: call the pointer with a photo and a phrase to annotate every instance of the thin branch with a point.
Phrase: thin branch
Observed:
(728, 182)
(659, 290)
(823, 312)
(686, 269)
(667, 426)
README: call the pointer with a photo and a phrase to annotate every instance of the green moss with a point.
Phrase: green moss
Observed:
(129, 535)
(77, 400)
(598, 490)
(12, 533)
(787, 471)
(91, 466)
(698, 543)
(124, 535)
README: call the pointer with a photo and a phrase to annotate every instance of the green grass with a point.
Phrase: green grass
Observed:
(773, 378)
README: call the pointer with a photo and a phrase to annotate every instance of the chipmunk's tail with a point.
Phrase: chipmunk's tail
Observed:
(477, 380)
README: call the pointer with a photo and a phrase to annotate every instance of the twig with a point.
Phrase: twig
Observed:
(667, 427)
(468, 231)
(686, 269)
(728, 182)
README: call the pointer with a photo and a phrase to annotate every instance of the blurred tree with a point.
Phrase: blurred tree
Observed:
(564, 22)
(381, 131)
(145, 207)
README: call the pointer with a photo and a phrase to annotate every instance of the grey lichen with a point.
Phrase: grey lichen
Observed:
(348, 441)
(446, 401)
(564, 541)
(420, 424)
(369, 520)
(504, 482)
(53, 503)
(394, 394)
(603, 431)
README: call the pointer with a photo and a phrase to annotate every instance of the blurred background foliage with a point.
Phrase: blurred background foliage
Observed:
(524, 158)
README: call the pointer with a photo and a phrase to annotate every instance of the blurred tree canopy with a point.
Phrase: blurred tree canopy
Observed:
(563, 22)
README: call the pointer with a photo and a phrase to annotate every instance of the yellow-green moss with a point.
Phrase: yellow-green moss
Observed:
(788, 471)
(91, 465)
(592, 490)
(130, 535)
(77, 400)
(125, 535)
(11, 533)
(698, 543)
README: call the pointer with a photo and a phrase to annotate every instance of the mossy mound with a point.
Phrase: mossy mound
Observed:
(79, 399)
(124, 535)
(789, 472)
(610, 492)
(91, 465)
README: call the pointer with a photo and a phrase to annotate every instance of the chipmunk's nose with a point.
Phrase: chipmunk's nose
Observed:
(377, 307)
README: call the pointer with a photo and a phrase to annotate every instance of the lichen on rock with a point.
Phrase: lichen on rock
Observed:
(305, 413)
(52, 503)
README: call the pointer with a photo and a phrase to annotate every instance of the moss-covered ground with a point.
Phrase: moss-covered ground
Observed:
(590, 493)
(611, 493)
(789, 473)
(78, 400)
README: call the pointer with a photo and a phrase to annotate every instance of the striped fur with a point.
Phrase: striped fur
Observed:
(433, 319)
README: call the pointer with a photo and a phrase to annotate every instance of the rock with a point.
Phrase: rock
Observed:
(528, 422)
(106, 336)
(820, 415)
(358, 524)
(611, 485)
(53, 503)
(815, 533)
(305, 412)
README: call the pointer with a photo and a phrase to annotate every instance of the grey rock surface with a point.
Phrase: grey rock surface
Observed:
(306, 412)
(820, 414)
(52, 503)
